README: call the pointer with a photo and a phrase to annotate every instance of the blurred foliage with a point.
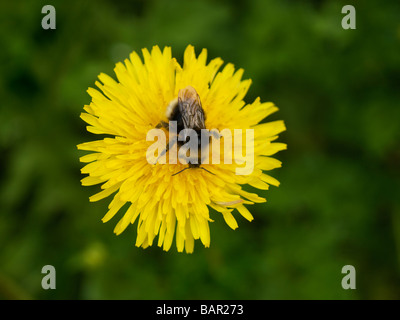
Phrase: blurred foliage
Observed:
(338, 203)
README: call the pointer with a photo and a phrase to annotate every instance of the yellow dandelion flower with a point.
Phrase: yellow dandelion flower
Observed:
(163, 202)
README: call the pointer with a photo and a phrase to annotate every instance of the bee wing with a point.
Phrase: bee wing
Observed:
(191, 109)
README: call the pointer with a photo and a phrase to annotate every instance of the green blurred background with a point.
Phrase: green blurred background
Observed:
(338, 203)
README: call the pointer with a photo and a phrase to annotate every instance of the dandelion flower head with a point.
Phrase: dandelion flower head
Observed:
(165, 205)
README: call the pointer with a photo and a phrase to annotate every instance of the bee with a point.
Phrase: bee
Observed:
(188, 113)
